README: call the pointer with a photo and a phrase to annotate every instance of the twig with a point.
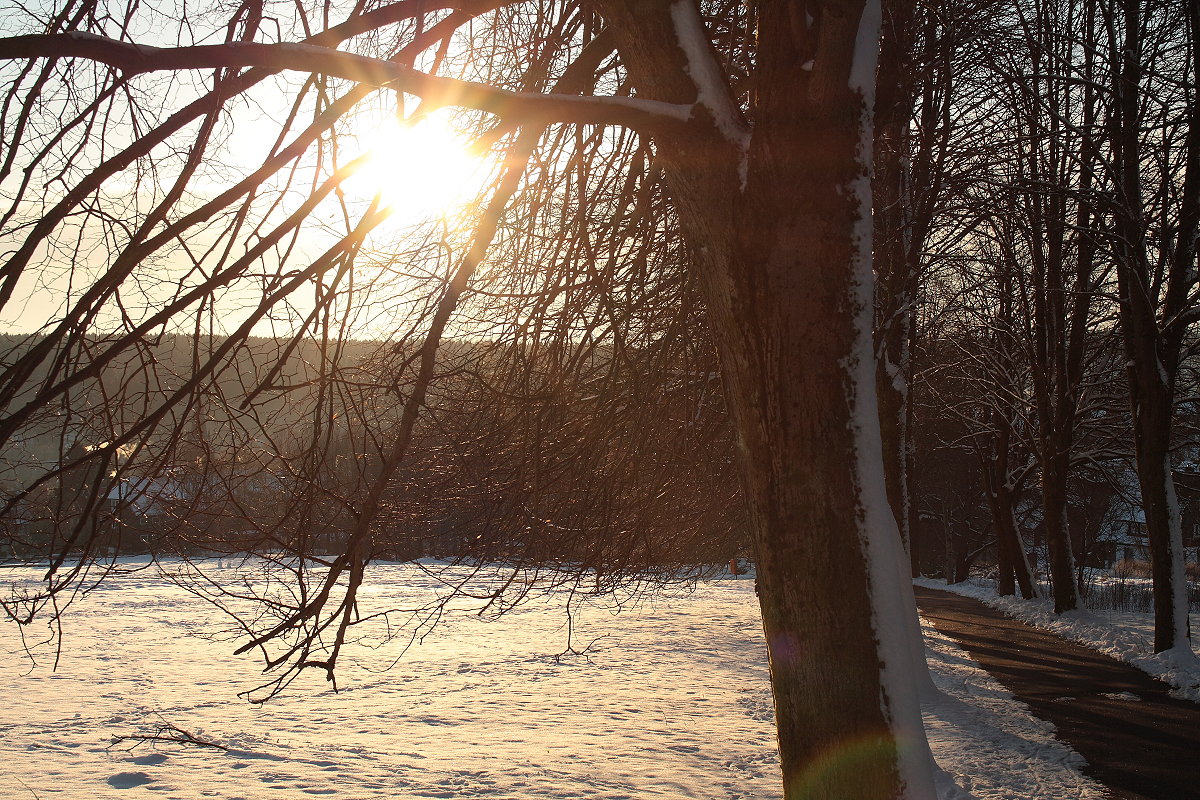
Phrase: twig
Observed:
(168, 733)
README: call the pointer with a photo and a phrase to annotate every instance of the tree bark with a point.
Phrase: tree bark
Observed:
(1062, 558)
(781, 236)
(1152, 431)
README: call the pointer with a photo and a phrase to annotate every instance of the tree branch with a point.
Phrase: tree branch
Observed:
(133, 59)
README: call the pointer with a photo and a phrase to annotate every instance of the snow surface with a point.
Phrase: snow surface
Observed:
(670, 701)
(1126, 636)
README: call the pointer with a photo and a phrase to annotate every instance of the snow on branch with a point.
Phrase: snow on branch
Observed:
(712, 91)
(133, 59)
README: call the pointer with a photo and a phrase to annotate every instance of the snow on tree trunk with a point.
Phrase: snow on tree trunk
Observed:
(1164, 526)
(780, 233)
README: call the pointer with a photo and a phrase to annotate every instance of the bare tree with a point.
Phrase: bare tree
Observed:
(764, 144)
(1153, 222)
(928, 52)
(1044, 221)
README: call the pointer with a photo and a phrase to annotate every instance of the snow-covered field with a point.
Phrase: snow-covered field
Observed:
(670, 701)
(1125, 635)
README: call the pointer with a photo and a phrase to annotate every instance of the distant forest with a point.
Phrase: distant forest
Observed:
(578, 467)
(571, 463)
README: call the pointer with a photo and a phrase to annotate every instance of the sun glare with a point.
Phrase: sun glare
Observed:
(419, 170)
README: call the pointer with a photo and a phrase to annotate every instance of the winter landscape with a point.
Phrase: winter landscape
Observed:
(668, 697)
(579, 398)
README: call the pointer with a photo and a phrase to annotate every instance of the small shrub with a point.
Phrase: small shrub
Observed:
(1131, 568)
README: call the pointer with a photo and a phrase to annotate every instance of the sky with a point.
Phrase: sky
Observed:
(422, 172)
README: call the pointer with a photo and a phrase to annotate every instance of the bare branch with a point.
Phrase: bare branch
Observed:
(134, 59)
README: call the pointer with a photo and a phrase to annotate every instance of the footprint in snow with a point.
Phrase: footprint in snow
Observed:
(128, 780)
(150, 760)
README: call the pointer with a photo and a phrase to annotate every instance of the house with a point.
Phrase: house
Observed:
(1123, 535)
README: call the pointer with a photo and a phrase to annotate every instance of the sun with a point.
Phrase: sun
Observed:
(419, 170)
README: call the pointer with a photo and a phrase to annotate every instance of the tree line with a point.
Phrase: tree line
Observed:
(1059, 286)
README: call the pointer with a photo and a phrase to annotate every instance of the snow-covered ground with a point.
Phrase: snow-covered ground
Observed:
(1127, 636)
(670, 701)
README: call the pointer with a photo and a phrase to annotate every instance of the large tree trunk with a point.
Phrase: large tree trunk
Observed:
(799, 367)
(1058, 539)
(781, 236)
(1153, 336)
(1151, 394)
(1164, 528)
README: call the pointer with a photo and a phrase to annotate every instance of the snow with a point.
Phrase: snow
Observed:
(670, 700)
(1001, 729)
(892, 602)
(712, 90)
(1126, 636)
(866, 51)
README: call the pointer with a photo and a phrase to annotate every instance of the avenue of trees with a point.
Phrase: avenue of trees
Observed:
(852, 289)
(1059, 330)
